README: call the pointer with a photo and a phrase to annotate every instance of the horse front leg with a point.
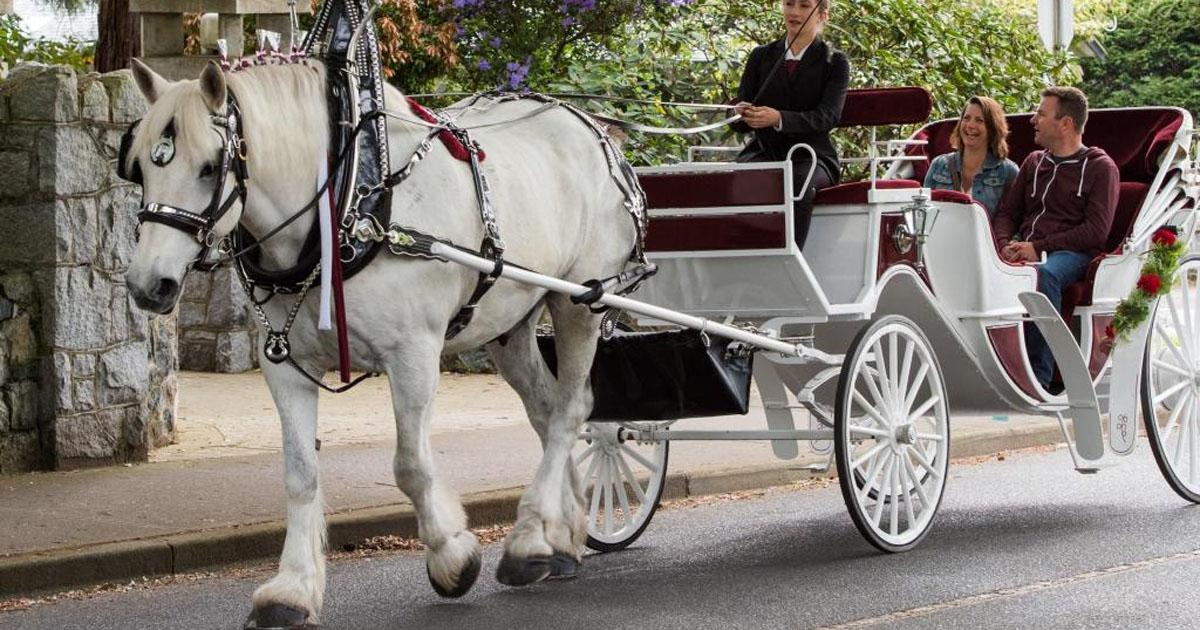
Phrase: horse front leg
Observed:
(548, 537)
(293, 598)
(452, 559)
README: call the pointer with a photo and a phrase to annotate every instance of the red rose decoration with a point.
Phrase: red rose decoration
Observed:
(1164, 237)
(1110, 332)
(1149, 284)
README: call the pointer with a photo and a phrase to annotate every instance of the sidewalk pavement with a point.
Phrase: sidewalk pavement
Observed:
(217, 497)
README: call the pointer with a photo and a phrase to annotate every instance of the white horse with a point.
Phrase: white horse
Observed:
(559, 211)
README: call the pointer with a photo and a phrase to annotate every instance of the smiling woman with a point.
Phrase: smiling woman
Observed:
(979, 164)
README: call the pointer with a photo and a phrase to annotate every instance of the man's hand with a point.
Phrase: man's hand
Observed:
(1019, 252)
(758, 117)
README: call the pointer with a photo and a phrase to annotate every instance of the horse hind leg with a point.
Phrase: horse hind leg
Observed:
(452, 561)
(548, 537)
(294, 596)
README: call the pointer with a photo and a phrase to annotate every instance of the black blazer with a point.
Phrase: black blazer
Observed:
(810, 101)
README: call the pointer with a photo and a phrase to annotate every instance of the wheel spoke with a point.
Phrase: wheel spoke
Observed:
(619, 484)
(1171, 367)
(1186, 331)
(905, 370)
(912, 474)
(1192, 444)
(871, 410)
(633, 481)
(869, 431)
(925, 406)
(937, 474)
(929, 437)
(597, 490)
(1181, 439)
(586, 454)
(916, 387)
(872, 387)
(894, 480)
(869, 478)
(1179, 329)
(1171, 420)
(885, 384)
(649, 465)
(1166, 339)
(877, 517)
(608, 499)
(1170, 390)
(894, 369)
(875, 450)
(902, 475)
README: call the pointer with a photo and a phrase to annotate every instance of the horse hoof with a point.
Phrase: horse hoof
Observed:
(523, 571)
(563, 566)
(277, 616)
(466, 579)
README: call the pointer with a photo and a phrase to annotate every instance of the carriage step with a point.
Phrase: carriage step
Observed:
(1087, 471)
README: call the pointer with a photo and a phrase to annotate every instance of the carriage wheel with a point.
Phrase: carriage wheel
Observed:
(1171, 382)
(622, 483)
(892, 433)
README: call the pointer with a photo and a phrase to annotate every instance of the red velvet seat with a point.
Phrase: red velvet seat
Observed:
(856, 192)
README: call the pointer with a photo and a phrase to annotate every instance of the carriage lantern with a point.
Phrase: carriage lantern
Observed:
(919, 219)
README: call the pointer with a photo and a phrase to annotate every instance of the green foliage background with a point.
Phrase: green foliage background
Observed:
(16, 45)
(1153, 58)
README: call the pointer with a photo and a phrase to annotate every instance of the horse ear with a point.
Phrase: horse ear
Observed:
(212, 86)
(148, 81)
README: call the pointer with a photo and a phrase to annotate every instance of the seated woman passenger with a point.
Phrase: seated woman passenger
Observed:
(793, 96)
(979, 165)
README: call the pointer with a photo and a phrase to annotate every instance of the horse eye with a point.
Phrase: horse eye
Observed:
(207, 170)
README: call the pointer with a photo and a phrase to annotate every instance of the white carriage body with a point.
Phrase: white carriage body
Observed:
(720, 236)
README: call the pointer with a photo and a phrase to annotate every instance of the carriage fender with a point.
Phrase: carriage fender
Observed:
(1124, 389)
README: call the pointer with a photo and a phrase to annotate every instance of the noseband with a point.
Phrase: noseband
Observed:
(199, 225)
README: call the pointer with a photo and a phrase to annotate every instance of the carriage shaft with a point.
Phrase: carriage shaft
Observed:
(662, 435)
(524, 276)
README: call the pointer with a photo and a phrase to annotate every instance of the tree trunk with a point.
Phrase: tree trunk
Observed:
(120, 36)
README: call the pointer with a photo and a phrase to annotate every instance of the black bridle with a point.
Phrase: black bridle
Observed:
(232, 157)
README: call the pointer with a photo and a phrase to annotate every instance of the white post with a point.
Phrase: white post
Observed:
(1056, 23)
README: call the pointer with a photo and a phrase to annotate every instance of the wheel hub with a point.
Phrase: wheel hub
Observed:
(906, 434)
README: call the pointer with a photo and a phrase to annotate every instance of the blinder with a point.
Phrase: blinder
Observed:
(199, 225)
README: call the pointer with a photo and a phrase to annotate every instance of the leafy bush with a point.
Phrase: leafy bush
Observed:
(16, 45)
(1153, 58)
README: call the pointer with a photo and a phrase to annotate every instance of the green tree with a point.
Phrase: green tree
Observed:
(1153, 58)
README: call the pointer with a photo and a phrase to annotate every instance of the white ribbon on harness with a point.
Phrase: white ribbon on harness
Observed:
(323, 211)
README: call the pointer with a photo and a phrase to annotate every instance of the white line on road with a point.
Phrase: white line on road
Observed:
(1016, 591)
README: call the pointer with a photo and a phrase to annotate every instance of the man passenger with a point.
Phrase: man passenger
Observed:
(1061, 204)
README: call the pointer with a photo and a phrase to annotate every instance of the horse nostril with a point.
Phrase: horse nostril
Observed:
(166, 289)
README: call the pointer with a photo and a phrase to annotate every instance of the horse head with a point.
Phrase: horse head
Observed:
(189, 158)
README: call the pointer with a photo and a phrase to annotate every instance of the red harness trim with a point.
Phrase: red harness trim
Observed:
(453, 144)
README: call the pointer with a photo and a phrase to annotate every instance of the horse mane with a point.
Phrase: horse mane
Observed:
(283, 108)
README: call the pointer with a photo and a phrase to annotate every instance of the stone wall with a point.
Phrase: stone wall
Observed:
(85, 377)
(217, 332)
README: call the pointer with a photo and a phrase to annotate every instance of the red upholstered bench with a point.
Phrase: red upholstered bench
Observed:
(856, 192)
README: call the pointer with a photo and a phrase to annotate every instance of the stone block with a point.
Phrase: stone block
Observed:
(20, 452)
(93, 99)
(17, 287)
(234, 353)
(85, 394)
(69, 162)
(124, 374)
(28, 234)
(117, 210)
(4, 416)
(76, 230)
(227, 303)
(125, 101)
(165, 341)
(5, 114)
(135, 428)
(80, 309)
(214, 6)
(89, 436)
(21, 341)
(191, 314)
(4, 368)
(83, 365)
(14, 173)
(49, 93)
(197, 356)
(64, 402)
(196, 287)
(18, 136)
(21, 398)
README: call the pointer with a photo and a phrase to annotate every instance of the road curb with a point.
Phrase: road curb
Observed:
(122, 561)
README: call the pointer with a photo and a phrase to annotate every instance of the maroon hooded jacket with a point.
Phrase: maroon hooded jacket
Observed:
(1060, 203)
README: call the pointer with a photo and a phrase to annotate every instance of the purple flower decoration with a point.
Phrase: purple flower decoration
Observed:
(484, 65)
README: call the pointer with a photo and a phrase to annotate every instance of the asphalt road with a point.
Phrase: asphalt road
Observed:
(1024, 542)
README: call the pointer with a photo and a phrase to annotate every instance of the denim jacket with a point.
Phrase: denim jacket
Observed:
(989, 184)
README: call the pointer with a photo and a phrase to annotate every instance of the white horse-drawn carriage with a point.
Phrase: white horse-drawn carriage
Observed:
(904, 314)
(897, 313)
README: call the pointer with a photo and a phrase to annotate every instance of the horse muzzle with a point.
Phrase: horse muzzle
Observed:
(160, 297)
